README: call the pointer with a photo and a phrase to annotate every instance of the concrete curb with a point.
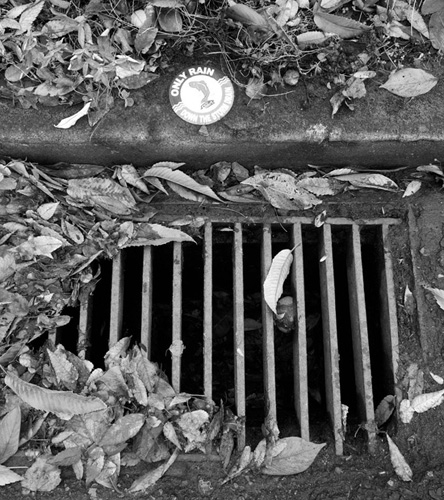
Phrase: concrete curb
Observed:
(290, 130)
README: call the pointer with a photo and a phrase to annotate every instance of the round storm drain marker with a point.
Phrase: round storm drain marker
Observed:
(201, 95)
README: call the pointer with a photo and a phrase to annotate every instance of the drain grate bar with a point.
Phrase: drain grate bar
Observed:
(389, 323)
(176, 353)
(329, 240)
(268, 333)
(147, 300)
(238, 327)
(117, 291)
(208, 310)
(331, 352)
(300, 374)
(358, 319)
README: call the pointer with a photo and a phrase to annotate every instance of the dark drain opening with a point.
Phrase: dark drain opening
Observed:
(336, 259)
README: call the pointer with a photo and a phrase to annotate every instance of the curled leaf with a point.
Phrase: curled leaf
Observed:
(412, 188)
(342, 26)
(70, 121)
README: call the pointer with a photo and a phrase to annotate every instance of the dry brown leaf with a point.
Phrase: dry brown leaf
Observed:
(436, 27)
(425, 402)
(41, 476)
(246, 15)
(438, 294)
(151, 477)
(170, 20)
(412, 188)
(123, 429)
(10, 434)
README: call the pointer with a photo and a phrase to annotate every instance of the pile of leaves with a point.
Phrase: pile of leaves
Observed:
(64, 52)
(55, 226)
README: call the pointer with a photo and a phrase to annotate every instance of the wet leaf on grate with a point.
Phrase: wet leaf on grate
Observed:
(117, 352)
(151, 477)
(412, 188)
(41, 476)
(9, 434)
(274, 282)
(385, 410)
(410, 82)
(293, 455)
(7, 476)
(321, 186)
(63, 402)
(438, 294)
(399, 463)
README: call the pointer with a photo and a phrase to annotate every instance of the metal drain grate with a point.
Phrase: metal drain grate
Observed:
(341, 259)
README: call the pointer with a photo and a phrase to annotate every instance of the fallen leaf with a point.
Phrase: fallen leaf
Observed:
(256, 88)
(439, 380)
(246, 15)
(151, 477)
(431, 169)
(182, 179)
(364, 180)
(406, 12)
(170, 20)
(10, 434)
(55, 401)
(145, 37)
(241, 464)
(425, 402)
(438, 294)
(405, 411)
(431, 6)
(385, 410)
(70, 121)
(123, 429)
(30, 14)
(342, 26)
(294, 455)
(274, 282)
(47, 210)
(155, 234)
(311, 38)
(41, 476)
(412, 188)
(7, 476)
(401, 467)
(436, 27)
(410, 82)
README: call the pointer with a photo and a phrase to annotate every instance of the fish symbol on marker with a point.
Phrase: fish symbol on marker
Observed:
(201, 86)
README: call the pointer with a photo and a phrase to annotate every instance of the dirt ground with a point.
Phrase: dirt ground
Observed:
(418, 259)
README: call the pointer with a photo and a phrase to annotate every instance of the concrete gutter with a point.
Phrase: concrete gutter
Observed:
(290, 130)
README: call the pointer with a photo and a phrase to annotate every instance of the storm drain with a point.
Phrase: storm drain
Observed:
(199, 311)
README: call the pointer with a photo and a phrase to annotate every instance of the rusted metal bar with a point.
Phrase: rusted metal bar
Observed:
(358, 321)
(268, 333)
(117, 291)
(176, 348)
(331, 351)
(300, 373)
(238, 327)
(84, 328)
(208, 311)
(389, 320)
(147, 299)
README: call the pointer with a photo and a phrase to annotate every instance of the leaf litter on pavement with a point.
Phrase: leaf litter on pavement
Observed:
(95, 53)
(96, 420)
